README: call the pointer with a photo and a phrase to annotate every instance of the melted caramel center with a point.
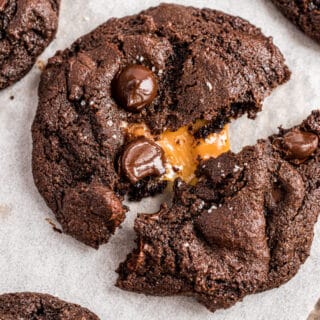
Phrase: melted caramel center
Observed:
(182, 150)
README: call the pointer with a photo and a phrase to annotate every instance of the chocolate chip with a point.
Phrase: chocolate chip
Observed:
(142, 158)
(299, 144)
(79, 68)
(135, 87)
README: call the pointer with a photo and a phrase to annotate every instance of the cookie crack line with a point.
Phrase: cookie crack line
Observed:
(150, 69)
(256, 239)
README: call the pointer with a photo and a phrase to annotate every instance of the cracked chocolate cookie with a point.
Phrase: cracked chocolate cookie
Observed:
(36, 306)
(167, 68)
(245, 227)
(26, 29)
(304, 13)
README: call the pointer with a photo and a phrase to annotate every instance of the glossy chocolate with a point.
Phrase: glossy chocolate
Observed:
(135, 87)
(142, 158)
(299, 144)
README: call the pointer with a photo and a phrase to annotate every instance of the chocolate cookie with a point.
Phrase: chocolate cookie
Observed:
(246, 227)
(304, 13)
(36, 306)
(26, 29)
(165, 68)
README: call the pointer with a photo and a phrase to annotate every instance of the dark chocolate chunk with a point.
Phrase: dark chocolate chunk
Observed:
(200, 64)
(87, 206)
(79, 69)
(142, 158)
(224, 238)
(299, 144)
(26, 29)
(135, 87)
(32, 306)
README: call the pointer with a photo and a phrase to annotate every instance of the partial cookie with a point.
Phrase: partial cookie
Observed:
(246, 227)
(304, 13)
(26, 29)
(36, 306)
(163, 68)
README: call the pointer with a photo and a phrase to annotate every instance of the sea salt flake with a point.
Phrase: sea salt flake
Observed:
(236, 168)
(201, 205)
(209, 85)
(212, 208)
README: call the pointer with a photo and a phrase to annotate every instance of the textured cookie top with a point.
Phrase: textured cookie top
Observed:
(165, 67)
(304, 13)
(247, 226)
(26, 29)
(36, 306)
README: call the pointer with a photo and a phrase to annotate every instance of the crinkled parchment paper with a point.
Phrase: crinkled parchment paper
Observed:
(34, 258)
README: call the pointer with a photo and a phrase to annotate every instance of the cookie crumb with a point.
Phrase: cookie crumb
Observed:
(41, 65)
(53, 225)
(4, 210)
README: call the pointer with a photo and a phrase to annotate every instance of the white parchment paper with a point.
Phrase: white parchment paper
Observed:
(34, 258)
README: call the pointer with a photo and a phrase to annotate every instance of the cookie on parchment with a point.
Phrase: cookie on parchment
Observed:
(38, 306)
(164, 67)
(26, 29)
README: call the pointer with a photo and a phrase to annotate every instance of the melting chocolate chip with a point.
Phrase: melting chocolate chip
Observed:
(299, 144)
(142, 158)
(135, 87)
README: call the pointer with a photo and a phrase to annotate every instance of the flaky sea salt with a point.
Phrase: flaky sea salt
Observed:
(236, 168)
(209, 85)
(212, 208)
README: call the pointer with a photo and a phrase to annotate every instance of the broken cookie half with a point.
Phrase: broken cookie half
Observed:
(245, 227)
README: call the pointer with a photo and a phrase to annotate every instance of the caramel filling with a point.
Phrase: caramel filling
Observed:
(182, 150)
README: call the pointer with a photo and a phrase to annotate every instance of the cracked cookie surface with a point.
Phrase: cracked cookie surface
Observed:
(26, 29)
(246, 227)
(37, 306)
(304, 13)
(206, 65)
